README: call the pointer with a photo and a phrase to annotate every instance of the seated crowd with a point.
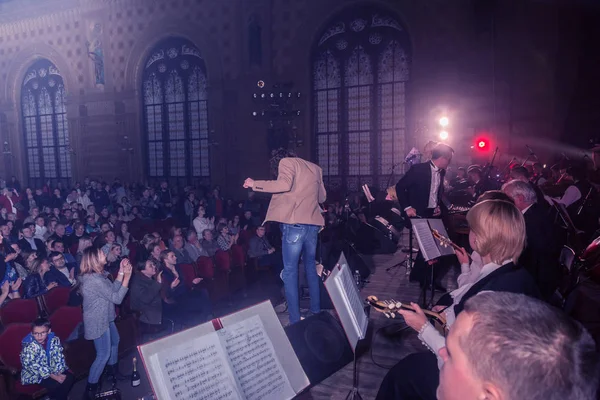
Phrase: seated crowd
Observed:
(119, 249)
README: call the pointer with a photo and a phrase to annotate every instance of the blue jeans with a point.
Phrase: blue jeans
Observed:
(296, 239)
(107, 351)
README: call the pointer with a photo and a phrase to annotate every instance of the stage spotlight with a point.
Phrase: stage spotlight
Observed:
(254, 113)
(260, 84)
(444, 121)
(443, 135)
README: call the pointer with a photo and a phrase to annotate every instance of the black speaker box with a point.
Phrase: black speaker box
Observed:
(369, 240)
(321, 346)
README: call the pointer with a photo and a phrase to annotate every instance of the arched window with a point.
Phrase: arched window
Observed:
(174, 93)
(360, 72)
(45, 125)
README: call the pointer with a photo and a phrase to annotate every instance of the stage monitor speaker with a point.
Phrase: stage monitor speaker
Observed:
(369, 240)
(356, 262)
(321, 346)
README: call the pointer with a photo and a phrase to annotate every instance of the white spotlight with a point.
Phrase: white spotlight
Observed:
(443, 135)
(444, 121)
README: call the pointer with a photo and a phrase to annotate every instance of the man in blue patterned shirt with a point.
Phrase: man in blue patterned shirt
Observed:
(43, 361)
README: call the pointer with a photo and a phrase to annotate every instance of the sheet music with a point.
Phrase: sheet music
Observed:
(196, 370)
(427, 243)
(253, 359)
(347, 301)
(348, 288)
(438, 225)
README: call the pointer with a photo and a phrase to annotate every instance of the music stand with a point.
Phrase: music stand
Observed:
(408, 262)
(431, 248)
(346, 299)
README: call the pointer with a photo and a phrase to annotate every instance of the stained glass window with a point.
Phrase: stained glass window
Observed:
(361, 68)
(45, 124)
(176, 111)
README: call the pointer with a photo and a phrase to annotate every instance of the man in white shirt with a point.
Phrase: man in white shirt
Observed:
(419, 193)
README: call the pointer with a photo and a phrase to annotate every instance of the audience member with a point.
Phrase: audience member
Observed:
(225, 240)
(201, 223)
(43, 361)
(260, 248)
(186, 306)
(29, 243)
(180, 251)
(209, 244)
(193, 246)
(146, 292)
(99, 298)
(43, 278)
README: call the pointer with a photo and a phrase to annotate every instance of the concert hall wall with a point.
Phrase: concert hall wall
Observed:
(452, 64)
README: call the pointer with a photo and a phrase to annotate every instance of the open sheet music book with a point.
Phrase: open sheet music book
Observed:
(346, 299)
(243, 356)
(430, 247)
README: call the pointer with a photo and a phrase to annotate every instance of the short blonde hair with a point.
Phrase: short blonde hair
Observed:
(90, 261)
(391, 193)
(500, 229)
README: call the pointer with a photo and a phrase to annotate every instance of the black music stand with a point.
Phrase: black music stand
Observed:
(431, 250)
(408, 262)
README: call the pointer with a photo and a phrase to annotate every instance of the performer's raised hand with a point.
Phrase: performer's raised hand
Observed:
(248, 183)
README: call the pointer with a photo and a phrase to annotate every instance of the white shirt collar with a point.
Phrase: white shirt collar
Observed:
(434, 167)
(526, 208)
(491, 267)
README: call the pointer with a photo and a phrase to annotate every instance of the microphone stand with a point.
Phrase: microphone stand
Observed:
(391, 175)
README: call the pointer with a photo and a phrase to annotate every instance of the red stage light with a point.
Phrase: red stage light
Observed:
(482, 144)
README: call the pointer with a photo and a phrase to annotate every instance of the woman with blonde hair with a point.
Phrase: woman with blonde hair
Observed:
(497, 233)
(99, 298)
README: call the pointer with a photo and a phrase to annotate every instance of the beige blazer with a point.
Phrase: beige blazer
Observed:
(297, 193)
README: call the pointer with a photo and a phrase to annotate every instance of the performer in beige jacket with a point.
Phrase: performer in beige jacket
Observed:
(297, 193)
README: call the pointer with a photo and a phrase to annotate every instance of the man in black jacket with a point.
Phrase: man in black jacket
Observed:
(420, 193)
(29, 243)
(540, 256)
(420, 189)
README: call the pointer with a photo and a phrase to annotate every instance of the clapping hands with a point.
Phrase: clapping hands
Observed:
(175, 283)
(125, 267)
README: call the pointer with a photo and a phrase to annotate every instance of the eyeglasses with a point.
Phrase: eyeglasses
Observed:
(44, 333)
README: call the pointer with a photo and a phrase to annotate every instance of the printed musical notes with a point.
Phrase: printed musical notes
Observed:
(198, 370)
(430, 247)
(236, 362)
(258, 371)
(347, 301)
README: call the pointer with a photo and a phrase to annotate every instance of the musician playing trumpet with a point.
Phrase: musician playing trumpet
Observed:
(497, 233)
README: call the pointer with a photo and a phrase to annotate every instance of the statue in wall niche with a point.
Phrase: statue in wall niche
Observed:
(94, 47)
